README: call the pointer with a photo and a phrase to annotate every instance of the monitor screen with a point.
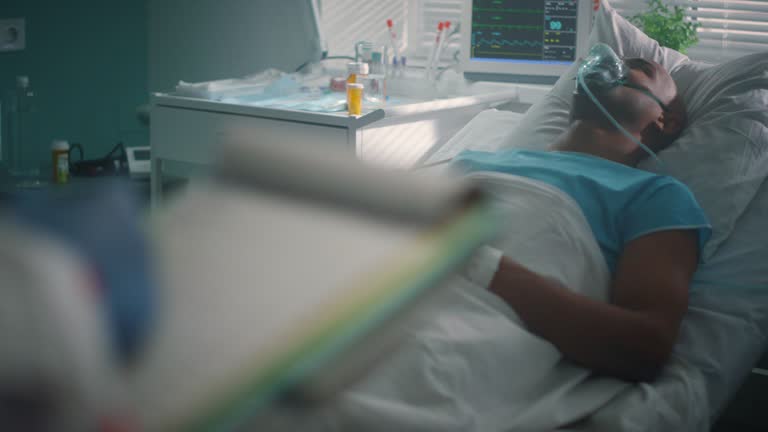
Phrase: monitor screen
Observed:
(524, 31)
(519, 38)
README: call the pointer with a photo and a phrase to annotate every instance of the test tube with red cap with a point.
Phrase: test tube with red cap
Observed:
(393, 38)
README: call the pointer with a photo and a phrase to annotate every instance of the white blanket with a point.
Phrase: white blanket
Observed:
(471, 365)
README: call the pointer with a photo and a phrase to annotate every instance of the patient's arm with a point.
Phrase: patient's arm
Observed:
(630, 338)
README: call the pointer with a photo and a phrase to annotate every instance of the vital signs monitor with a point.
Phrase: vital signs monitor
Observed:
(531, 41)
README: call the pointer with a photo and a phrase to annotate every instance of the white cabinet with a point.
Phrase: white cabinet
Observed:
(186, 131)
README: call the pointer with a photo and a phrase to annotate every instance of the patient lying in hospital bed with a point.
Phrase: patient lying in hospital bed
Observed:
(649, 227)
(605, 248)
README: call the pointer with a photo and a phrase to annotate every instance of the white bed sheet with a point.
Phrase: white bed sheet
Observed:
(726, 329)
(723, 333)
(468, 363)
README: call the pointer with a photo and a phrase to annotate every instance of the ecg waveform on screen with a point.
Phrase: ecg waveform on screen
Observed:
(503, 42)
(509, 10)
(507, 26)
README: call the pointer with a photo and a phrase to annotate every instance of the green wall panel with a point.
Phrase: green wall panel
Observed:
(87, 63)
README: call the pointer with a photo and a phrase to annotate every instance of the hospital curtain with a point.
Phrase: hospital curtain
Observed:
(426, 14)
(729, 28)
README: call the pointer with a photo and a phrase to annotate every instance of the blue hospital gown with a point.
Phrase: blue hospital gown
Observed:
(620, 203)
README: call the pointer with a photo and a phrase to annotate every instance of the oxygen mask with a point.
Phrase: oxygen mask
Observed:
(603, 70)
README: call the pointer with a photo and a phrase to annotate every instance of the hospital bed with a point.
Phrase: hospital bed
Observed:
(723, 333)
(722, 336)
(725, 330)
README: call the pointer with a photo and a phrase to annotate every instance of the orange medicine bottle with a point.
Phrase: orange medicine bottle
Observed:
(60, 159)
(355, 99)
(355, 71)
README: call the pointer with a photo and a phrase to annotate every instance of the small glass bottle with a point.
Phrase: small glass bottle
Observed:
(21, 107)
(23, 128)
(376, 87)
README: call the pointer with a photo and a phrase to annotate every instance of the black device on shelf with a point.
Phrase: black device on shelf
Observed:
(114, 163)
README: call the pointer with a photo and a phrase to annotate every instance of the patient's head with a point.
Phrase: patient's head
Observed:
(648, 105)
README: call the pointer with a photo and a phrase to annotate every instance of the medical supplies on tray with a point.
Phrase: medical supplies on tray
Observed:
(271, 89)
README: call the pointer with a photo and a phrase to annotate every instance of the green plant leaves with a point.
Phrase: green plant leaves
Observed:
(667, 25)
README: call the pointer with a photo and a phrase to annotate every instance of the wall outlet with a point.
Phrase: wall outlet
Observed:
(13, 34)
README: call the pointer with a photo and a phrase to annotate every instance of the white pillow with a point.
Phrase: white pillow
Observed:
(723, 153)
(722, 156)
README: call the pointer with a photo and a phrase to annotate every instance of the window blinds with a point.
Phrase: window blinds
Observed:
(729, 28)
(422, 30)
(345, 22)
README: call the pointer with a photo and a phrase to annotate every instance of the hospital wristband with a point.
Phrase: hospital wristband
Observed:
(482, 266)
